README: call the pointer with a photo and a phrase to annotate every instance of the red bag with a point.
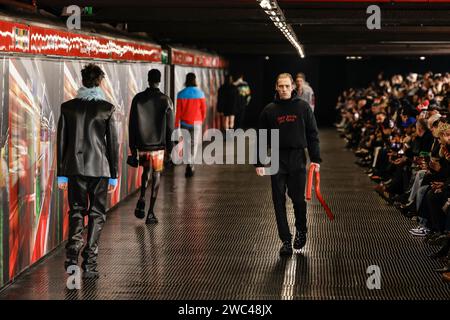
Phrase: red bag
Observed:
(314, 172)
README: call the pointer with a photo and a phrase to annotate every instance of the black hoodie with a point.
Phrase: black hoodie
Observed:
(296, 122)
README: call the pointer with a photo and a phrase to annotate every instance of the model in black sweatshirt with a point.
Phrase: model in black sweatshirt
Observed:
(297, 130)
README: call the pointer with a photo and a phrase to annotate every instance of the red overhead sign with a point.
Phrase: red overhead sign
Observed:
(23, 38)
(197, 59)
(15, 37)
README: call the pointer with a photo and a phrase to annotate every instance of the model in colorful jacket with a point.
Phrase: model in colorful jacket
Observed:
(190, 114)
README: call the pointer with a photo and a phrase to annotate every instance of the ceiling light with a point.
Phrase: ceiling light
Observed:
(265, 4)
(277, 16)
(422, 58)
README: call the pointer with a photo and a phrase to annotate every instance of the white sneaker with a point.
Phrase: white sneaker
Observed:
(420, 231)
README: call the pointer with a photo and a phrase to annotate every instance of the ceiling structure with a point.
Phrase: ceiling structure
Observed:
(242, 26)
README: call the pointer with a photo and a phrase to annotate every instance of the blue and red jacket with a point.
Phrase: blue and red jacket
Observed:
(191, 107)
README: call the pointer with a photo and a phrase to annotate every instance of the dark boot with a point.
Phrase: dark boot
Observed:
(286, 249)
(91, 272)
(299, 240)
(139, 212)
(189, 171)
(443, 251)
(151, 218)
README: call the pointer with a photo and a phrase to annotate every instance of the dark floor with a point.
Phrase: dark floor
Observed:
(217, 239)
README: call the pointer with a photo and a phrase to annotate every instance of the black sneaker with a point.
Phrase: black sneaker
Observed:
(189, 172)
(438, 240)
(286, 249)
(70, 262)
(300, 240)
(431, 237)
(151, 218)
(91, 274)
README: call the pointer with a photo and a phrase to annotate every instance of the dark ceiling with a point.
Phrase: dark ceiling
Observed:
(242, 27)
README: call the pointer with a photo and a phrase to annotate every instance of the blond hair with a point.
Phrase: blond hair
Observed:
(442, 127)
(284, 75)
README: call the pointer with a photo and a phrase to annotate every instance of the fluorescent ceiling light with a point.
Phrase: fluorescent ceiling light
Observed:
(265, 4)
(276, 15)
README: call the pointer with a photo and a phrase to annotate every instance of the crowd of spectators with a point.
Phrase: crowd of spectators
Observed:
(399, 128)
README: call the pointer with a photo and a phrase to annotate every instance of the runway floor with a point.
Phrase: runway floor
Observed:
(217, 239)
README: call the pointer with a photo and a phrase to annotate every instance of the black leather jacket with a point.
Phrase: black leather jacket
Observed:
(87, 139)
(151, 121)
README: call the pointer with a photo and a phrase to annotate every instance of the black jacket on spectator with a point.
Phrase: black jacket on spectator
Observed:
(228, 99)
(435, 148)
(296, 122)
(87, 142)
(151, 121)
(422, 144)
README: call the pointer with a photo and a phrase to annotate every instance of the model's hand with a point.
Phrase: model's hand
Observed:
(317, 166)
(260, 171)
(435, 165)
(62, 186)
(437, 187)
(112, 185)
(63, 183)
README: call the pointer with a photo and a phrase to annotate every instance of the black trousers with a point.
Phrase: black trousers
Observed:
(87, 196)
(291, 177)
(435, 202)
(239, 120)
